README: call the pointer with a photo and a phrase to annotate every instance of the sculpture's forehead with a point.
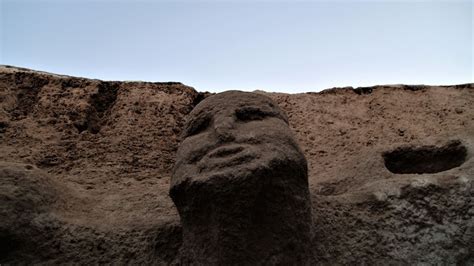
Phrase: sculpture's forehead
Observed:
(231, 100)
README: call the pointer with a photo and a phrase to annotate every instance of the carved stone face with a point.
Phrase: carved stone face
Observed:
(240, 184)
(233, 135)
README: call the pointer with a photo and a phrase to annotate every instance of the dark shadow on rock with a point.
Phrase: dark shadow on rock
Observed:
(425, 159)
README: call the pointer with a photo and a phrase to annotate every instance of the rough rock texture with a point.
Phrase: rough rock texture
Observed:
(28, 198)
(240, 185)
(101, 153)
(111, 143)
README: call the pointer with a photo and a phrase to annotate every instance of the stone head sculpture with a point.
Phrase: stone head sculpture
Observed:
(240, 184)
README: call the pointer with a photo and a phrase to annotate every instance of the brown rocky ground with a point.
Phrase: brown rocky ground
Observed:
(85, 168)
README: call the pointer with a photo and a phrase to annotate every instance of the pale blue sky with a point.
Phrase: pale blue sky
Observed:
(219, 45)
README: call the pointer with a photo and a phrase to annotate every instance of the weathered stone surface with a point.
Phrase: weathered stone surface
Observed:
(240, 185)
(111, 146)
(27, 197)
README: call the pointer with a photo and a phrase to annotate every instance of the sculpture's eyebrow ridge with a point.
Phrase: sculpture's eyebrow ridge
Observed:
(251, 112)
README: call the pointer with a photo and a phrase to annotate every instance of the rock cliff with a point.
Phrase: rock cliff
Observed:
(85, 168)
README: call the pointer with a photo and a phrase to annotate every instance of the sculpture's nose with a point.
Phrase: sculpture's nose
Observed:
(223, 128)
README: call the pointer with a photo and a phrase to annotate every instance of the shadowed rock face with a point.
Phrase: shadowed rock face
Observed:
(26, 196)
(240, 184)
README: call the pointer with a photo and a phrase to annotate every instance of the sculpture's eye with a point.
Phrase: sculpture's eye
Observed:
(197, 126)
(251, 113)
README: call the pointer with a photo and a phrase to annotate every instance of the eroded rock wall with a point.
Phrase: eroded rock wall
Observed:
(111, 147)
(113, 144)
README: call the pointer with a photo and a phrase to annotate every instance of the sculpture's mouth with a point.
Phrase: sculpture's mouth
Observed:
(225, 151)
(228, 155)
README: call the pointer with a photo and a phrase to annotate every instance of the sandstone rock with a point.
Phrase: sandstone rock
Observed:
(113, 146)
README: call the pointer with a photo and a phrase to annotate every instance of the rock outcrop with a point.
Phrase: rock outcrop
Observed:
(93, 159)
